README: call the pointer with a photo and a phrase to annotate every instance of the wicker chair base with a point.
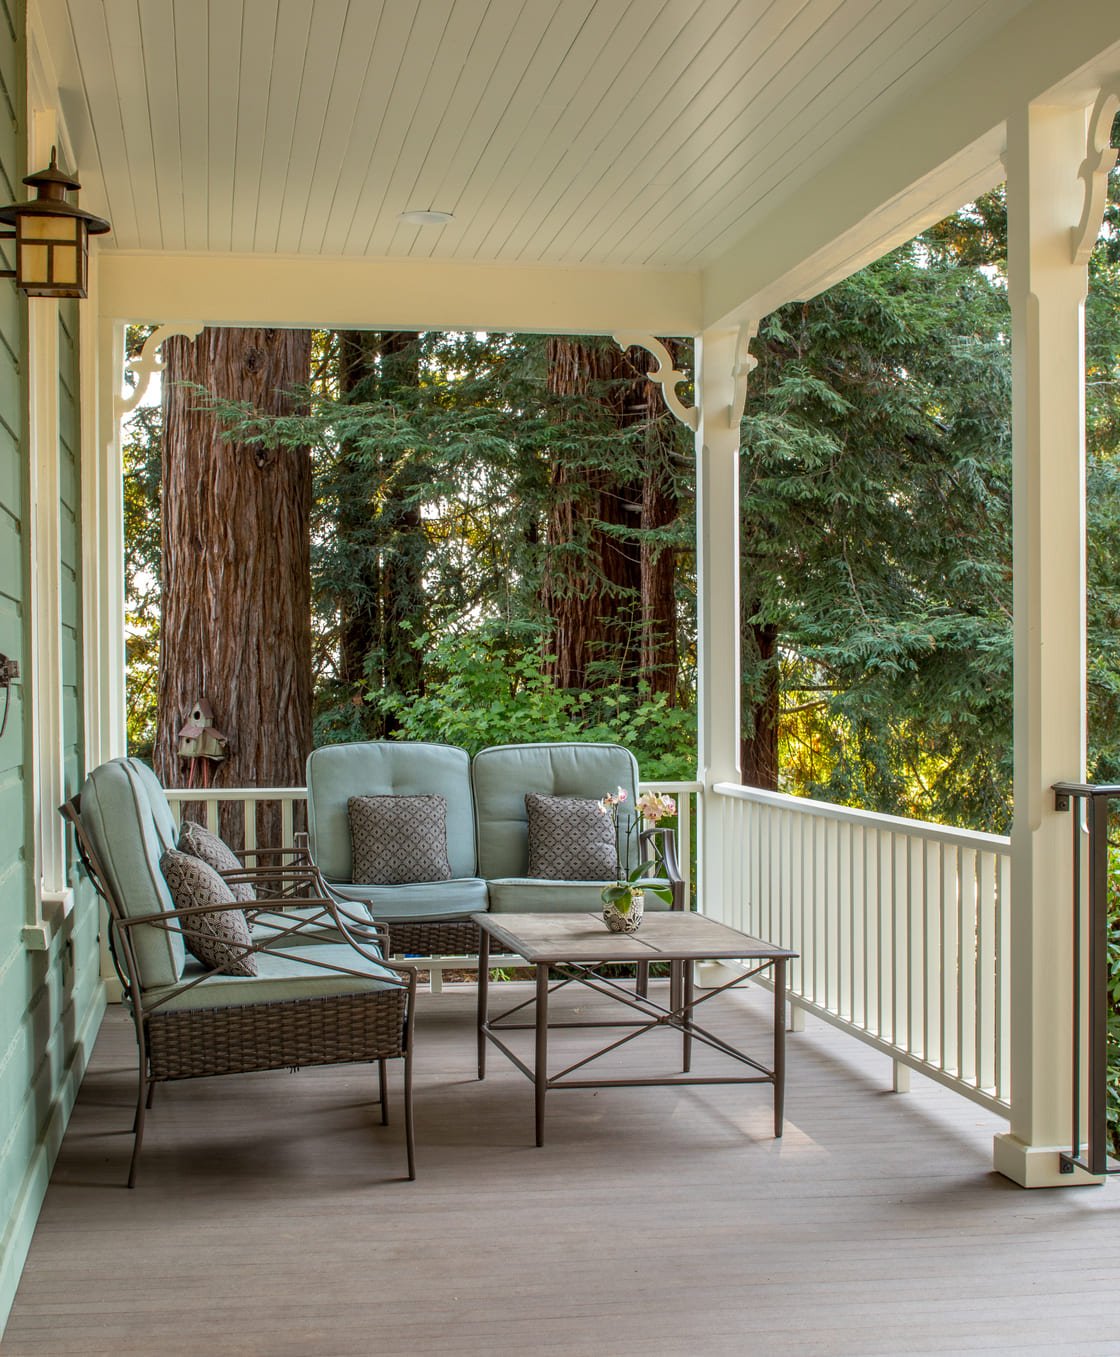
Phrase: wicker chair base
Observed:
(435, 937)
(195, 1043)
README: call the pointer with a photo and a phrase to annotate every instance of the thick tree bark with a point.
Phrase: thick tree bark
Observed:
(759, 749)
(611, 595)
(236, 586)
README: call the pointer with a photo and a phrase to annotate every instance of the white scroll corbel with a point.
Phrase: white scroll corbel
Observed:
(150, 361)
(1100, 158)
(665, 375)
(745, 364)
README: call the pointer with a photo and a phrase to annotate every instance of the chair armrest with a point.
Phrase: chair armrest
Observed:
(661, 845)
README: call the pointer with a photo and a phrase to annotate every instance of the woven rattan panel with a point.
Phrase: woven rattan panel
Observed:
(439, 937)
(330, 1031)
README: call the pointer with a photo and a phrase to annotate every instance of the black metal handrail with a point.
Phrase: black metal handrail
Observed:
(1097, 799)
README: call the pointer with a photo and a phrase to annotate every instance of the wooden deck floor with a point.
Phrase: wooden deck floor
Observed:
(270, 1219)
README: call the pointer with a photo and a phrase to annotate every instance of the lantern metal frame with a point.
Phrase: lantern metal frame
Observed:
(58, 229)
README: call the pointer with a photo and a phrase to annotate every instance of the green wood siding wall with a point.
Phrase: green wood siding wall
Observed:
(50, 1002)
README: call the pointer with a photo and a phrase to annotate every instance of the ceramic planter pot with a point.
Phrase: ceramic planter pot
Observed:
(628, 922)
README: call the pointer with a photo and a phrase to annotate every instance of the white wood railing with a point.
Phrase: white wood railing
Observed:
(902, 927)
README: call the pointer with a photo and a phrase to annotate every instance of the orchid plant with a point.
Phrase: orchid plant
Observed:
(650, 808)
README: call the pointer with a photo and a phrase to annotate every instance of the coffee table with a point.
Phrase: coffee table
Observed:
(576, 945)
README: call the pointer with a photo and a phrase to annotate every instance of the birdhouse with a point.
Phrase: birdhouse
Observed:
(200, 738)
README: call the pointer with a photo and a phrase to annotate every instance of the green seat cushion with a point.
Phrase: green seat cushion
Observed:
(294, 975)
(423, 900)
(528, 895)
(129, 824)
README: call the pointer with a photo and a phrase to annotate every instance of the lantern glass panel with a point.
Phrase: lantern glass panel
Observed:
(51, 228)
(33, 263)
(65, 264)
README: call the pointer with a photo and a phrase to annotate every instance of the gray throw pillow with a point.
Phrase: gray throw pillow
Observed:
(216, 939)
(570, 839)
(200, 843)
(398, 840)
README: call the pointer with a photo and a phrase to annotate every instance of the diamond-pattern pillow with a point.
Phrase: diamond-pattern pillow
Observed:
(216, 939)
(570, 839)
(398, 840)
(200, 843)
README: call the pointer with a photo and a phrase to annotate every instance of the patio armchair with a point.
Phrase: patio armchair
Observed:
(322, 994)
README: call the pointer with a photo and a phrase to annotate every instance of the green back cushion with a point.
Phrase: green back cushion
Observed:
(130, 826)
(503, 774)
(386, 768)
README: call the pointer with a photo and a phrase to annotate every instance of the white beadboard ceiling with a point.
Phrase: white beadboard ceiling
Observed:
(612, 133)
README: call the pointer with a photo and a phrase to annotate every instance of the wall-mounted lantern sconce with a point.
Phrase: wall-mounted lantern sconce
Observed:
(51, 236)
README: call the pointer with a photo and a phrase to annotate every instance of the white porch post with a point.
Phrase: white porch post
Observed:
(719, 394)
(1046, 147)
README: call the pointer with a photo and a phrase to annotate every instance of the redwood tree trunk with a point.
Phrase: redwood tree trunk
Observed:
(611, 595)
(762, 706)
(236, 586)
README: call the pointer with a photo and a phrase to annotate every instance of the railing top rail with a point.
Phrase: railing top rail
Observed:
(899, 824)
(235, 793)
(1107, 789)
(295, 793)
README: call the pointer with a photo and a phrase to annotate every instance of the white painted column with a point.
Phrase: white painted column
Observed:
(1046, 147)
(719, 395)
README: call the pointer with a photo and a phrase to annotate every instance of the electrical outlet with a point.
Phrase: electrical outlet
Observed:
(9, 671)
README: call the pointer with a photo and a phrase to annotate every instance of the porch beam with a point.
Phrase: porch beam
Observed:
(1046, 147)
(407, 294)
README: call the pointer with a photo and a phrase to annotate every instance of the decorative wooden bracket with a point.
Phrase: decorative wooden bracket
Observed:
(1100, 157)
(745, 364)
(665, 375)
(151, 361)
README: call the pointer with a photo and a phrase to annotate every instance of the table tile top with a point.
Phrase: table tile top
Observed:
(584, 937)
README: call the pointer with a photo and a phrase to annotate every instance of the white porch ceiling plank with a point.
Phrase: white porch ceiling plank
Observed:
(53, 24)
(694, 82)
(156, 29)
(517, 95)
(89, 34)
(354, 123)
(460, 59)
(541, 105)
(408, 101)
(254, 101)
(223, 76)
(764, 174)
(517, 28)
(948, 131)
(598, 123)
(815, 55)
(344, 133)
(192, 45)
(324, 46)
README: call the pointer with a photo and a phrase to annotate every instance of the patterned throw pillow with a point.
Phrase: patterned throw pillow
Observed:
(570, 839)
(200, 843)
(397, 840)
(215, 939)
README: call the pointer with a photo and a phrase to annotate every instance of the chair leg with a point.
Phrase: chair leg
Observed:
(143, 1093)
(383, 1091)
(151, 1094)
(409, 1131)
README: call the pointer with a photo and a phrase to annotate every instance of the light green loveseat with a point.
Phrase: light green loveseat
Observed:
(487, 831)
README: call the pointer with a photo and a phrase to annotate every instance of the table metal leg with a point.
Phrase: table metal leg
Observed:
(686, 1011)
(483, 998)
(779, 1044)
(541, 1069)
